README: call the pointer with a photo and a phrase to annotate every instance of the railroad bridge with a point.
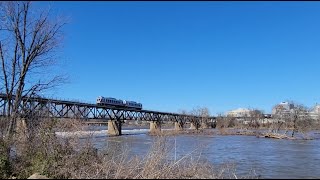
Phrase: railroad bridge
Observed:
(54, 108)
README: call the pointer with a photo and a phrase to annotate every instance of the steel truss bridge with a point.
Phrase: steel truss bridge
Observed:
(44, 107)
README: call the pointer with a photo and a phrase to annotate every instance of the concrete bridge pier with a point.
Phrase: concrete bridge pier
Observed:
(204, 125)
(114, 128)
(21, 129)
(193, 125)
(21, 125)
(178, 126)
(155, 127)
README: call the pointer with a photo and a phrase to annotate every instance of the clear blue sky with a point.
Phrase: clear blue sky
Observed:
(181, 55)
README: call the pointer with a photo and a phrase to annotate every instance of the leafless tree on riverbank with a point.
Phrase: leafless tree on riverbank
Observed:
(297, 119)
(255, 116)
(202, 112)
(29, 40)
(300, 119)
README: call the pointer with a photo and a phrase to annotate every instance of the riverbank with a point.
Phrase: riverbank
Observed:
(100, 156)
(259, 133)
(167, 129)
(71, 158)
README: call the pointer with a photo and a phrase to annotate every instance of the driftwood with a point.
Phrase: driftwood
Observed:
(276, 136)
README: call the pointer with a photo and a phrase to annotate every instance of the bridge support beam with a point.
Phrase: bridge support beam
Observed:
(155, 127)
(192, 126)
(178, 126)
(114, 128)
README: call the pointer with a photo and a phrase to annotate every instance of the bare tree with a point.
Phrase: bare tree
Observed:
(295, 119)
(203, 113)
(281, 117)
(29, 41)
(183, 112)
(227, 121)
(300, 119)
(255, 116)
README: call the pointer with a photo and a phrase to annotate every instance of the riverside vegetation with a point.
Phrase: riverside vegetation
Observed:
(54, 157)
(39, 150)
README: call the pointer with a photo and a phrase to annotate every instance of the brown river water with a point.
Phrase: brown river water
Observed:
(269, 158)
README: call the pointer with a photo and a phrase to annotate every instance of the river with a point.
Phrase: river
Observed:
(269, 158)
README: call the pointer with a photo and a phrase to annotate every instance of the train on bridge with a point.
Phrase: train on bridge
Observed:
(118, 103)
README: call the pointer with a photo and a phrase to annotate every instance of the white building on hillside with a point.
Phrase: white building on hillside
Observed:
(315, 112)
(282, 108)
(240, 112)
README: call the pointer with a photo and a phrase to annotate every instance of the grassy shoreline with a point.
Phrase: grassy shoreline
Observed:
(46, 154)
(66, 158)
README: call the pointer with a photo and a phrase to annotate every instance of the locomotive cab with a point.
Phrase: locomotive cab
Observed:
(99, 100)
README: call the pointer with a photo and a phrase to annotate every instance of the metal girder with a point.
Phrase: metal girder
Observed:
(68, 109)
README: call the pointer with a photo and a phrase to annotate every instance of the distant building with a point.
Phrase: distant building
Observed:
(315, 112)
(282, 108)
(316, 109)
(285, 108)
(240, 112)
